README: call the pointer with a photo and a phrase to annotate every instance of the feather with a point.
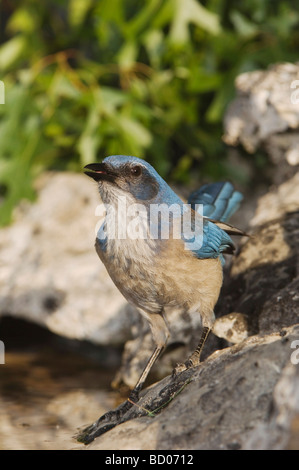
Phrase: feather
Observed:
(219, 200)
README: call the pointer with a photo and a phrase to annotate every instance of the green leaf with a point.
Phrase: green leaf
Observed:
(134, 131)
(191, 11)
(154, 43)
(89, 140)
(221, 100)
(201, 82)
(127, 55)
(23, 20)
(243, 26)
(12, 51)
(143, 19)
(77, 11)
(108, 99)
(62, 87)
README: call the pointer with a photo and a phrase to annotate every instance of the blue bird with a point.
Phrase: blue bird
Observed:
(160, 252)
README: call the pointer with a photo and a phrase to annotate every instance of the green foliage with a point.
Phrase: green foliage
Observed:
(89, 78)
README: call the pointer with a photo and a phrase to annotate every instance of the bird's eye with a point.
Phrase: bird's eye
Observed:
(136, 170)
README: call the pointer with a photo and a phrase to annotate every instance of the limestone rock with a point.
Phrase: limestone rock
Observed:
(277, 202)
(232, 327)
(222, 405)
(265, 114)
(264, 277)
(263, 107)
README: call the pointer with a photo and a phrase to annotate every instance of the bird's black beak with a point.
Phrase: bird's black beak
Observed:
(99, 172)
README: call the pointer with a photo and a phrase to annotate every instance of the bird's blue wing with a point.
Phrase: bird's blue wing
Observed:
(219, 200)
(205, 239)
(215, 242)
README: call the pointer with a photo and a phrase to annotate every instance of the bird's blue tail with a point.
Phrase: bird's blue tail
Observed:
(219, 200)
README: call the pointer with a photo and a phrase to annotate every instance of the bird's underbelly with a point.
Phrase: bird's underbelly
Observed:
(132, 269)
(155, 282)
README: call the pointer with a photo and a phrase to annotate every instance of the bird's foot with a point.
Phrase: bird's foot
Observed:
(106, 422)
(179, 368)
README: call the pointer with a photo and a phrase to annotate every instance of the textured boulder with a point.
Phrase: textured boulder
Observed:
(242, 397)
(265, 114)
(264, 279)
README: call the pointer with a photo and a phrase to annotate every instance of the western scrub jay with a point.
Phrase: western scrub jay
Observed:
(170, 254)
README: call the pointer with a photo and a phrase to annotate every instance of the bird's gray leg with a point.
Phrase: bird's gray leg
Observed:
(134, 394)
(194, 359)
(160, 334)
(112, 418)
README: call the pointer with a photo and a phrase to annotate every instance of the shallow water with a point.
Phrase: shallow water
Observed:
(50, 387)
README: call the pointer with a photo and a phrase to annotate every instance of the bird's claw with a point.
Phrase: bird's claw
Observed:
(181, 367)
(106, 422)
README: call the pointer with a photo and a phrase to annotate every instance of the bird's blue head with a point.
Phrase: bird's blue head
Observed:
(123, 175)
